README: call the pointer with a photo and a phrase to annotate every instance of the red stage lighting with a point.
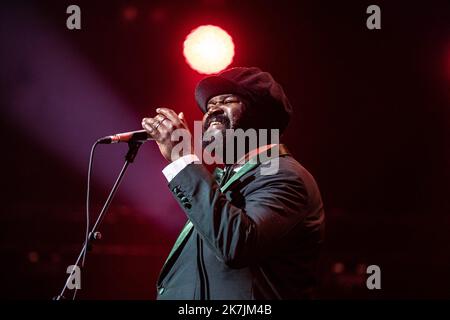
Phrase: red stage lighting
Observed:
(129, 13)
(208, 49)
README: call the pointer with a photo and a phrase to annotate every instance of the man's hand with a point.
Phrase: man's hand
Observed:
(161, 128)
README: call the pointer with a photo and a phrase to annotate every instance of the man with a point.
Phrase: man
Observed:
(249, 235)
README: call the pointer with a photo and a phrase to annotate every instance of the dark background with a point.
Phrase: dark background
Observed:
(371, 124)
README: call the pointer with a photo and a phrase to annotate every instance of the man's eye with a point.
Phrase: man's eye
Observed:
(231, 101)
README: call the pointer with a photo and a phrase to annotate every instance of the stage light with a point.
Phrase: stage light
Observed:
(208, 49)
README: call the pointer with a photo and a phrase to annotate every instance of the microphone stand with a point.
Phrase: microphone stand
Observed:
(133, 147)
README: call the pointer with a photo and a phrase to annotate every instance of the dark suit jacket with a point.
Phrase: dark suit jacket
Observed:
(255, 237)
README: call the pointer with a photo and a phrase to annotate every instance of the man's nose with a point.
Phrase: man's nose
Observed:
(215, 110)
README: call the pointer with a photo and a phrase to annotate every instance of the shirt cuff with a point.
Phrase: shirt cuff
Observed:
(175, 167)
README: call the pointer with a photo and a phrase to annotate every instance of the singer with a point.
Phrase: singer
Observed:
(249, 235)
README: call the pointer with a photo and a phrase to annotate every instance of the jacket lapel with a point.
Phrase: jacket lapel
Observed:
(218, 173)
(280, 150)
(243, 170)
(183, 236)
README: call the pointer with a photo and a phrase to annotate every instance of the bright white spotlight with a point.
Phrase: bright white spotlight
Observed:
(208, 49)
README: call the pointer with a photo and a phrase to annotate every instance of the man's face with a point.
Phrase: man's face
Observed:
(225, 111)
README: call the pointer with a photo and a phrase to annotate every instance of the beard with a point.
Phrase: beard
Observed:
(219, 141)
(209, 138)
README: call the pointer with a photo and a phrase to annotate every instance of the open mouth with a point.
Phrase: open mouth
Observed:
(218, 122)
(215, 123)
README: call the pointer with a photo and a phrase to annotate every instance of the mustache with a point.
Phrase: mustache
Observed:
(219, 118)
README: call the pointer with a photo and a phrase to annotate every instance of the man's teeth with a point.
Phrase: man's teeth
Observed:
(215, 122)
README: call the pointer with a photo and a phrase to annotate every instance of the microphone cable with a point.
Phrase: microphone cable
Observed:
(88, 193)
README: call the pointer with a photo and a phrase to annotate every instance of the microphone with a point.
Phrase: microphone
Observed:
(133, 136)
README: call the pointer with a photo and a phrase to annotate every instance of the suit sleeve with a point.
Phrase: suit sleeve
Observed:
(240, 236)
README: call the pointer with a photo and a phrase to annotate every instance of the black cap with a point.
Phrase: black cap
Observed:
(255, 85)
